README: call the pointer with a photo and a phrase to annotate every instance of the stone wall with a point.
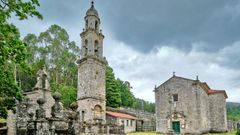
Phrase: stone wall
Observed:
(218, 112)
(91, 89)
(32, 97)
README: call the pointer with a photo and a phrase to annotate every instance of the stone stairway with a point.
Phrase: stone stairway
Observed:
(3, 128)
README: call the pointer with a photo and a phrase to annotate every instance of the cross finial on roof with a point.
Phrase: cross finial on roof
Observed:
(92, 3)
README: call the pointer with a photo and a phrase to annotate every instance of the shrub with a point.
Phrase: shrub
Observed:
(238, 132)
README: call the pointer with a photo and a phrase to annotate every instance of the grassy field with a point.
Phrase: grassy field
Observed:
(153, 133)
(2, 120)
(143, 133)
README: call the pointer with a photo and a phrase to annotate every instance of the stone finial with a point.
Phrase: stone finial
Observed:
(57, 96)
(40, 112)
(74, 106)
(92, 3)
(174, 73)
(197, 77)
(31, 114)
(42, 79)
(57, 109)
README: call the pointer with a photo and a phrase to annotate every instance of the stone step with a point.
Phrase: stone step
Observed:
(3, 130)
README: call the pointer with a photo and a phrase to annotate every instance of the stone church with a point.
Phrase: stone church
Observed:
(190, 107)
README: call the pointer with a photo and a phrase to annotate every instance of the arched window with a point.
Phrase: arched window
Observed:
(82, 116)
(96, 48)
(98, 112)
(96, 25)
(86, 23)
(85, 47)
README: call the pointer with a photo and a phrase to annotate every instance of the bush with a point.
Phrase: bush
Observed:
(238, 132)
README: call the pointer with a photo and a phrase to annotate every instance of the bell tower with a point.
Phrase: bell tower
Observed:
(92, 38)
(91, 71)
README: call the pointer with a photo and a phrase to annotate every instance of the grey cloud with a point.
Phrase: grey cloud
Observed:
(145, 24)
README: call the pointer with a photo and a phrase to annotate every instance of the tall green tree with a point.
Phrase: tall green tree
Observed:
(127, 96)
(52, 49)
(113, 94)
(59, 54)
(12, 50)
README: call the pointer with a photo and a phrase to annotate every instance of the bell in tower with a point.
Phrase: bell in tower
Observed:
(92, 38)
(91, 71)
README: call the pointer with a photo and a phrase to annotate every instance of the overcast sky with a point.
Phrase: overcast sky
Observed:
(145, 41)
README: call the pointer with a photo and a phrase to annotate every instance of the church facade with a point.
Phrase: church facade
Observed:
(189, 107)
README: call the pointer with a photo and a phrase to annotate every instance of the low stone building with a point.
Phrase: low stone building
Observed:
(126, 120)
(189, 106)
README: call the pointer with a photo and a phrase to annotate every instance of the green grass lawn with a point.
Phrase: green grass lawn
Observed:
(230, 133)
(143, 133)
(153, 133)
(2, 120)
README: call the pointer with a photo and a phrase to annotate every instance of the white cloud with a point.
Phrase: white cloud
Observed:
(143, 71)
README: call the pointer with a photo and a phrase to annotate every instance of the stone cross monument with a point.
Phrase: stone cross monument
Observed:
(91, 71)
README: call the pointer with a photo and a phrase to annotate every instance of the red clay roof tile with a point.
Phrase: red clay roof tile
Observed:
(121, 115)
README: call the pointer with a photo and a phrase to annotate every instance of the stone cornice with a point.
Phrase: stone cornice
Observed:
(92, 57)
(91, 30)
(83, 98)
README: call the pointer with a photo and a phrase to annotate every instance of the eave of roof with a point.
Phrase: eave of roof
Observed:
(120, 115)
(210, 91)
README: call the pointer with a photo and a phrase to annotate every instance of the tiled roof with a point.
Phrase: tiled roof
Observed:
(121, 115)
(215, 91)
(210, 91)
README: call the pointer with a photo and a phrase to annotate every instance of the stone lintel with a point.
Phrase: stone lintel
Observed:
(91, 30)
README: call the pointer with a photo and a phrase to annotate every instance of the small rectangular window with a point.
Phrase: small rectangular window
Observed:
(127, 123)
(175, 97)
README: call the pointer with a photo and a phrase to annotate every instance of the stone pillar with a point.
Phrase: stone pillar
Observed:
(41, 124)
(11, 123)
(57, 109)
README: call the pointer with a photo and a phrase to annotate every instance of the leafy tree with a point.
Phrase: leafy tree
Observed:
(112, 92)
(238, 132)
(233, 111)
(12, 50)
(127, 97)
(59, 54)
(69, 93)
(141, 104)
(118, 94)
(53, 49)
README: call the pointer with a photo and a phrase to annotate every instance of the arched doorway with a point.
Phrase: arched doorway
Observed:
(97, 112)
